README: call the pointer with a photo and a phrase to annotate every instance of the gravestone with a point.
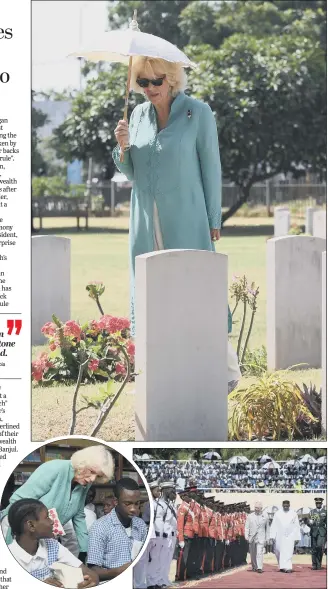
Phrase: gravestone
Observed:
(294, 279)
(320, 224)
(324, 343)
(309, 220)
(281, 221)
(51, 282)
(181, 305)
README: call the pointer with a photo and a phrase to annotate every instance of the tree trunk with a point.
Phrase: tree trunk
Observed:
(245, 190)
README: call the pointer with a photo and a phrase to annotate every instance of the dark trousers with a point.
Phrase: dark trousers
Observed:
(227, 556)
(244, 549)
(240, 556)
(234, 554)
(219, 554)
(183, 561)
(195, 558)
(203, 543)
(317, 551)
(209, 555)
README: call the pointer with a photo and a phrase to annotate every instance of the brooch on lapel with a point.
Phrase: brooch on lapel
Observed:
(189, 114)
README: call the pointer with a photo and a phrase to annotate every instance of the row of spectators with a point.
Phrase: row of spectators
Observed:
(287, 476)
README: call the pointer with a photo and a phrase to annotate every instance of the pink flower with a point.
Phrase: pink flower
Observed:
(37, 373)
(72, 329)
(113, 324)
(44, 361)
(120, 368)
(119, 324)
(49, 329)
(53, 346)
(103, 323)
(40, 366)
(94, 325)
(93, 365)
(130, 348)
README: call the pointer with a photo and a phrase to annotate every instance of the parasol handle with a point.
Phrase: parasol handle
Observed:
(127, 91)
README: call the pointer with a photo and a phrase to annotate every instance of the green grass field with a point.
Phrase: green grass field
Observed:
(102, 254)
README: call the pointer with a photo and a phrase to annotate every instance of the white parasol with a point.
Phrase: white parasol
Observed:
(271, 509)
(265, 458)
(238, 460)
(122, 45)
(268, 465)
(210, 455)
(303, 511)
(322, 460)
(308, 459)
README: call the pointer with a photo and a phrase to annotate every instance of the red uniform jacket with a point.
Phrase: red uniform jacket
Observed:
(195, 508)
(212, 529)
(219, 527)
(185, 522)
(204, 522)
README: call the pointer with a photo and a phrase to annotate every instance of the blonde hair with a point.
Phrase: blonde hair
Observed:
(95, 457)
(152, 67)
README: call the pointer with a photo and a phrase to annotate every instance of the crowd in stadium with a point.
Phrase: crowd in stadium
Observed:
(241, 474)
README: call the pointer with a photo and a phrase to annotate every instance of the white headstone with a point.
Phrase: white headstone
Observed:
(324, 343)
(294, 278)
(320, 224)
(51, 282)
(309, 220)
(181, 306)
(281, 221)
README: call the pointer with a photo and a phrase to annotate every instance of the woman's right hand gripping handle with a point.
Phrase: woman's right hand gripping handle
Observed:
(122, 134)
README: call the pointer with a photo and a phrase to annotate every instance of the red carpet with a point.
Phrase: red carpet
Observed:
(301, 578)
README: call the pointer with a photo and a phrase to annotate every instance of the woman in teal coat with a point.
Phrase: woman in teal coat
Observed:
(172, 156)
(63, 485)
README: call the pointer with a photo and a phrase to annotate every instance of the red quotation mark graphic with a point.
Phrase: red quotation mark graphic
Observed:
(14, 323)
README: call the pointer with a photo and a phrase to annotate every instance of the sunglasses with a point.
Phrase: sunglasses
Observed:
(144, 82)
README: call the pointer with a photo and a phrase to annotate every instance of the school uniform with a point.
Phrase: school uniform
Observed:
(48, 552)
(140, 569)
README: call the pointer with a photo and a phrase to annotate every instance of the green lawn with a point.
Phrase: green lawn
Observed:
(102, 254)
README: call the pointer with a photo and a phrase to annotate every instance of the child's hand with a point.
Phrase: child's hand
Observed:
(53, 582)
(89, 581)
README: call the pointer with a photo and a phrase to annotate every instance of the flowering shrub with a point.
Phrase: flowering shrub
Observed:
(40, 366)
(100, 350)
(103, 346)
(102, 343)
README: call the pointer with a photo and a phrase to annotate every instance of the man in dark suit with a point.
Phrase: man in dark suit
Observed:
(318, 525)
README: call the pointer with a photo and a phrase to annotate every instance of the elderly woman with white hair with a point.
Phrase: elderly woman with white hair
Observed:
(63, 485)
(171, 153)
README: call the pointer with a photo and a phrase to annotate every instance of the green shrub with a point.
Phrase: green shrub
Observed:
(55, 186)
(255, 362)
(295, 230)
(269, 408)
